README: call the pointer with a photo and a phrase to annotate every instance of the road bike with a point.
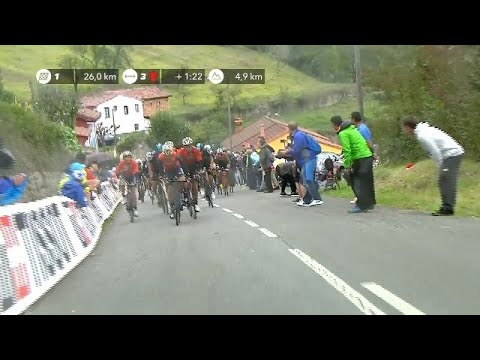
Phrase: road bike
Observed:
(204, 180)
(162, 200)
(177, 198)
(187, 195)
(131, 187)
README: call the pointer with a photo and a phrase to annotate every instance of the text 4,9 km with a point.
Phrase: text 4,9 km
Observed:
(246, 76)
(108, 76)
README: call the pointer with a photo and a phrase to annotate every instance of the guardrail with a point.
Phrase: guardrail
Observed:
(42, 241)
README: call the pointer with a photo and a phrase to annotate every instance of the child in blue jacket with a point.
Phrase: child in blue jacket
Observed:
(73, 187)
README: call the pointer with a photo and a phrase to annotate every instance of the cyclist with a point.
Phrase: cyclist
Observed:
(208, 165)
(169, 166)
(128, 171)
(223, 162)
(191, 159)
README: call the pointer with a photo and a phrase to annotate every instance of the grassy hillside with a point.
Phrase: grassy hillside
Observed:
(20, 64)
(319, 119)
(416, 189)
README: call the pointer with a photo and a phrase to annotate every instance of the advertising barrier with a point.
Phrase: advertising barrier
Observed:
(42, 241)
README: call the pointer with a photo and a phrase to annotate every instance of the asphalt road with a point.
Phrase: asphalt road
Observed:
(261, 254)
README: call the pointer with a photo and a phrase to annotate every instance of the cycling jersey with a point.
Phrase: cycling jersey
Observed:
(191, 160)
(128, 169)
(222, 160)
(169, 165)
(207, 160)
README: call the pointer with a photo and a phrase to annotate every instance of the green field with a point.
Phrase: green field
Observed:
(19, 64)
(319, 119)
(416, 189)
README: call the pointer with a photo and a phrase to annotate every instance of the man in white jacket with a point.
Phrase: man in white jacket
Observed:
(446, 152)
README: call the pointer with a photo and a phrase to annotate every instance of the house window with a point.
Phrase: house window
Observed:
(137, 127)
(137, 108)
(107, 113)
(125, 110)
(115, 108)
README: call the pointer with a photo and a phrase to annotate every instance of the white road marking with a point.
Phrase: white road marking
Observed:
(268, 232)
(251, 223)
(227, 210)
(399, 304)
(238, 216)
(341, 286)
(216, 205)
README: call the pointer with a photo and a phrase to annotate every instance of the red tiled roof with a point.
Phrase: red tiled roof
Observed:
(82, 131)
(89, 114)
(144, 93)
(273, 129)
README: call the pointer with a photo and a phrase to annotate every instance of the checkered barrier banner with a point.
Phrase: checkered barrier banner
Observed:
(42, 241)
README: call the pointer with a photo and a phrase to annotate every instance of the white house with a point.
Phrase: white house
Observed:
(129, 109)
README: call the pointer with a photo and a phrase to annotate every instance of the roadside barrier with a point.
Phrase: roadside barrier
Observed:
(42, 241)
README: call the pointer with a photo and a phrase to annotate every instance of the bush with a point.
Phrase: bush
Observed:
(167, 127)
(33, 129)
(131, 141)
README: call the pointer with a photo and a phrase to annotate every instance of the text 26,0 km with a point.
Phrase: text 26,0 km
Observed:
(98, 76)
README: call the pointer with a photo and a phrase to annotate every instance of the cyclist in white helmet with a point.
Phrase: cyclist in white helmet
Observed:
(192, 161)
(170, 168)
(128, 171)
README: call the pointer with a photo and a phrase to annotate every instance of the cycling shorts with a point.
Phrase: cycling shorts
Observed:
(171, 175)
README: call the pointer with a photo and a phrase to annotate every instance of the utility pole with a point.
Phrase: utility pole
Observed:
(358, 78)
(114, 133)
(229, 117)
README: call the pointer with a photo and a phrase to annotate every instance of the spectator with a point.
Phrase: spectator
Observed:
(358, 159)
(367, 135)
(92, 171)
(12, 188)
(266, 161)
(447, 154)
(73, 187)
(6, 158)
(286, 173)
(305, 160)
(256, 174)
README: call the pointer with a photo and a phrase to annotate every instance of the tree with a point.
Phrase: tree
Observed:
(97, 56)
(183, 89)
(166, 127)
(57, 105)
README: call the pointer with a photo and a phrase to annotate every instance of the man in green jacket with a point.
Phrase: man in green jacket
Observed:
(358, 159)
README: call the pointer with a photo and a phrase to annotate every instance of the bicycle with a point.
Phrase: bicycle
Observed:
(224, 181)
(177, 199)
(162, 196)
(130, 200)
(187, 193)
(208, 188)
(142, 187)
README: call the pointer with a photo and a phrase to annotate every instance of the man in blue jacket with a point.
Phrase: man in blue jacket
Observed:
(307, 161)
(73, 188)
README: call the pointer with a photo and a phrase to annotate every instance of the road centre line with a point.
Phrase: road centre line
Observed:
(267, 232)
(338, 284)
(392, 299)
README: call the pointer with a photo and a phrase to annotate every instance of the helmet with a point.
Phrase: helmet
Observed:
(139, 161)
(126, 153)
(158, 147)
(219, 150)
(207, 148)
(170, 143)
(199, 146)
(167, 149)
(187, 141)
(149, 155)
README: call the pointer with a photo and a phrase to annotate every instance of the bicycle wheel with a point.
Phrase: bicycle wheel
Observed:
(162, 198)
(130, 201)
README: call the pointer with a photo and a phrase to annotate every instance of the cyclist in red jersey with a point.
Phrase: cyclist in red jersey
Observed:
(129, 173)
(192, 161)
(169, 166)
